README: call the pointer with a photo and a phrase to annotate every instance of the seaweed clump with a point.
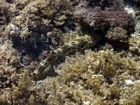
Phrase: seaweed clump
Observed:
(39, 28)
(68, 52)
(96, 78)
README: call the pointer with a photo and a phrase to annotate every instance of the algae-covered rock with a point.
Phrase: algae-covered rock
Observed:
(69, 52)
(104, 15)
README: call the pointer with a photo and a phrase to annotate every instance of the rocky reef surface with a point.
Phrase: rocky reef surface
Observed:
(70, 52)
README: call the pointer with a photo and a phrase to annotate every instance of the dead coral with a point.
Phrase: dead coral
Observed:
(99, 19)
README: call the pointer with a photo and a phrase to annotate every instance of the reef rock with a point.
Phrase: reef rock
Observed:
(103, 15)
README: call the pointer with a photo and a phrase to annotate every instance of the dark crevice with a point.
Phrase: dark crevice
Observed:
(10, 1)
(30, 47)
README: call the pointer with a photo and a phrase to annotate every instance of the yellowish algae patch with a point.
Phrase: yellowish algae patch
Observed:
(96, 78)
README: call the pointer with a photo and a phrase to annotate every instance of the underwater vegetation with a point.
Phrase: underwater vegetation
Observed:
(69, 52)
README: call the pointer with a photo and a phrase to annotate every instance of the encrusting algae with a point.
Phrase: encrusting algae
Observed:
(69, 52)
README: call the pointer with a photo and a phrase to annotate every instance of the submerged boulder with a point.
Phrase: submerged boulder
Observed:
(104, 15)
